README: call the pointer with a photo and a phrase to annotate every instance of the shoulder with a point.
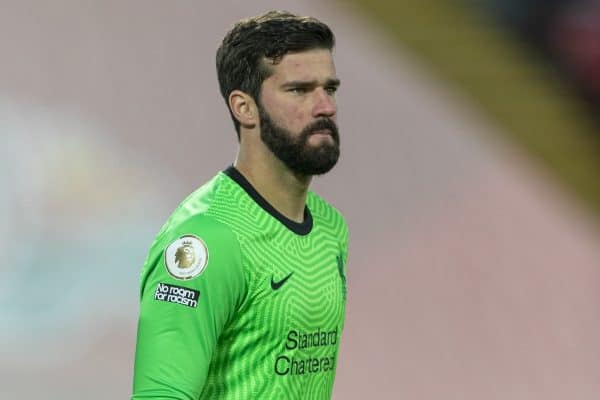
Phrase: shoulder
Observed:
(324, 211)
(196, 212)
(198, 202)
(192, 236)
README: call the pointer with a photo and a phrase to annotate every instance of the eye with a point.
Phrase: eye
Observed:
(331, 89)
(298, 90)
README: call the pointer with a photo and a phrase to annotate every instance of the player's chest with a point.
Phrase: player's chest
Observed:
(300, 283)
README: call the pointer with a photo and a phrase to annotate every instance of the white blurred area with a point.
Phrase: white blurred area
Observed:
(472, 274)
(73, 211)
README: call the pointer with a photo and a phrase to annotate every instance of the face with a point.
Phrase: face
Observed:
(298, 112)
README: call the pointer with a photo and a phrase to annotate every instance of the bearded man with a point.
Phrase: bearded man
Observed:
(244, 288)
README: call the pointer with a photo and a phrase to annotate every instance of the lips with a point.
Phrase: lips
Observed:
(322, 132)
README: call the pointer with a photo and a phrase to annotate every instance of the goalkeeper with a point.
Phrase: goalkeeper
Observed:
(243, 291)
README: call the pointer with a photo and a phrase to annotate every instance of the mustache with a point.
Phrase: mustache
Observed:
(324, 123)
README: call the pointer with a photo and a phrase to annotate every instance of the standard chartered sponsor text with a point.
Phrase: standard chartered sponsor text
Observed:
(292, 363)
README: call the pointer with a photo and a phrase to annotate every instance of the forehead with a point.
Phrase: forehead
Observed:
(307, 65)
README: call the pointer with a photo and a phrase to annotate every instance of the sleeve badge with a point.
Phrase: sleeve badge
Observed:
(186, 257)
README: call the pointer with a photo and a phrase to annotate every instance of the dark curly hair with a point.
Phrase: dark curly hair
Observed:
(242, 54)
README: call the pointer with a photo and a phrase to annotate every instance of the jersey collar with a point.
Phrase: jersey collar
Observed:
(300, 228)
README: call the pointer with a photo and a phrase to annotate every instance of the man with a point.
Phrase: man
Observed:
(243, 291)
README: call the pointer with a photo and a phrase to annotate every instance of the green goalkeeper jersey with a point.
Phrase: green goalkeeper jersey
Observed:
(240, 302)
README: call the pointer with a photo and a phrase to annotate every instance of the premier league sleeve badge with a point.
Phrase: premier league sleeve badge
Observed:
(186, 257)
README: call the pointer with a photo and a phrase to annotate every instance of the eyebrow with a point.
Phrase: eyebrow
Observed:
(308, 84)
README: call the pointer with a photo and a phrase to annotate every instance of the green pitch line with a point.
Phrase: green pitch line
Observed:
(504, 79)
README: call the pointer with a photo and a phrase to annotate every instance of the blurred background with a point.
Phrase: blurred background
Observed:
(469, 179)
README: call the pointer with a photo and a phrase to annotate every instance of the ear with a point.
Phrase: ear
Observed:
(243, 108)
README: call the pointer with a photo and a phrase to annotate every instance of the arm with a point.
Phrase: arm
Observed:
(181, 319)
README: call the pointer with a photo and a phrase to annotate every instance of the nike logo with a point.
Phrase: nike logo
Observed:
(277, 285)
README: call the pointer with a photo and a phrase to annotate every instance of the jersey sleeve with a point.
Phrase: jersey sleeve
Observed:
(192, 284)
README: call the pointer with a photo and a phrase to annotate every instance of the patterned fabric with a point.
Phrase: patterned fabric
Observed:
(263, 317)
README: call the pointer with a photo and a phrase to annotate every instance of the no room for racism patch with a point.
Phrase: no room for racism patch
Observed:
(177, 295)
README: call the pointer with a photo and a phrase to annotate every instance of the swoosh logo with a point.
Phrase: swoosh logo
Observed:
(277, 285)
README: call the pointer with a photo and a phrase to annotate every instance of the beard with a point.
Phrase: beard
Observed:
(295, 152)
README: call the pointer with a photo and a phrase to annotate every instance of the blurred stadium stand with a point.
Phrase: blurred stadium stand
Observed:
(513, 74)
(565, 32)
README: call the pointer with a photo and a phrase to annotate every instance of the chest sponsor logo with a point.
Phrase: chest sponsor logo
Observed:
(177, 294)
(276, 285)
(301, 349)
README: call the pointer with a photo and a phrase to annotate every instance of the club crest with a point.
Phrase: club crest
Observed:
(340, 264)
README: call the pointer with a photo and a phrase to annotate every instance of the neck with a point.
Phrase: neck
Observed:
(282, 188)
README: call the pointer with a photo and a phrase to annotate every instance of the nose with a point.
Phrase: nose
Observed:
(325, 104)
